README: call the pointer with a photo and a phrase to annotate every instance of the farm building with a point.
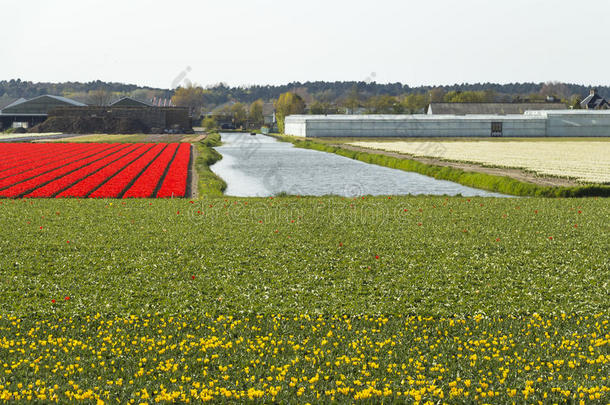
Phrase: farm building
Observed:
(118, 120)
(576, 123)
(129, 102)
(490, 108)
(27, 113)
(595, 102)
(60, 114)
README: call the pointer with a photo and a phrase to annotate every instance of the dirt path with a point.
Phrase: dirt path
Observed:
(517, 174)
(194, 175)
(194, 138)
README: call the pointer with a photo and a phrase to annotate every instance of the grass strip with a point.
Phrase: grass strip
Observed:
(210, 185)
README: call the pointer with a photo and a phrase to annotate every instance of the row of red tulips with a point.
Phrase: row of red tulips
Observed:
(12, 154)
(174, 183)
(12, 157)
(146, 184)
(91, 183)
(34, 163)
(94, 170)
(62, 183)
(16, 185)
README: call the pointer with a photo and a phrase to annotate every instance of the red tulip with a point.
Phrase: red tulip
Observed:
(550, 238)
(377, 257)
(192, 277)
(53, 301)
(340, 244)
(67, 298)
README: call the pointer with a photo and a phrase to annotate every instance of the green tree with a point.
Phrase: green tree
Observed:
(239, 115)
(384, 104)
(575, 102)
(209, 123)
(256, 113)
(288, 104)
(190, 96)
(352, 101)
(437, 95)
(415, 102)
(486, 96)
(321, 108)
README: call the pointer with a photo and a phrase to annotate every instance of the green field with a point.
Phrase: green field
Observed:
(440, 257)
(305, 299)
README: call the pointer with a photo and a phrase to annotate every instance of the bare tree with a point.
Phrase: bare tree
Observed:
(556, 89)
(99, 97)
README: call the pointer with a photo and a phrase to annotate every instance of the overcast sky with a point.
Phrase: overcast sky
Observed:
(243, 42)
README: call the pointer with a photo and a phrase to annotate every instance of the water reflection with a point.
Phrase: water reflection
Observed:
(261, 166)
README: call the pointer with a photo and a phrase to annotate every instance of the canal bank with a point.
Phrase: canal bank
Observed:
(262, 166)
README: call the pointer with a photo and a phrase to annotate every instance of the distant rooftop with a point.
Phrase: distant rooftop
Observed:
(130, 102)
(15, 102)
(491, 108)
(40, 105)
(594, 102)
(413, 117)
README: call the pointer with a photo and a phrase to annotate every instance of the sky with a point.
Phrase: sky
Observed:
(244, 42)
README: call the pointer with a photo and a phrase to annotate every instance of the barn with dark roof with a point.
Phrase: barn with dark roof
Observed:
(27, 113)
(595, 102)
(129, 102)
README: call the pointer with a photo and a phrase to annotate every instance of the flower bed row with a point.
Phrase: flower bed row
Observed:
(94, 170)
(36, 161)
(11, 157)
(174, 184)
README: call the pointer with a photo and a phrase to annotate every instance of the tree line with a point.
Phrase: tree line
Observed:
(243, 106)
(319, 91)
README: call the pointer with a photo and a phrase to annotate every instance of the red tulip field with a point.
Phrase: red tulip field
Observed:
(94, 170)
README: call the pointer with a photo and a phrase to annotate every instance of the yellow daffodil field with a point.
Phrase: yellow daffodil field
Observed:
(305, 300)
(305, 358)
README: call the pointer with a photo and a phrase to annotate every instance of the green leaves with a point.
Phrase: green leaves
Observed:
(134, 257)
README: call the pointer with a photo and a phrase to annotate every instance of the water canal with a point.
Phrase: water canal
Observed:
(261, 166)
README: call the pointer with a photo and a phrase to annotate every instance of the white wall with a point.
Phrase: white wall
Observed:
(531, 124)
(577, 125)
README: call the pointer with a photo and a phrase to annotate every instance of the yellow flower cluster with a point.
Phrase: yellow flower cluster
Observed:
(184, 358)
